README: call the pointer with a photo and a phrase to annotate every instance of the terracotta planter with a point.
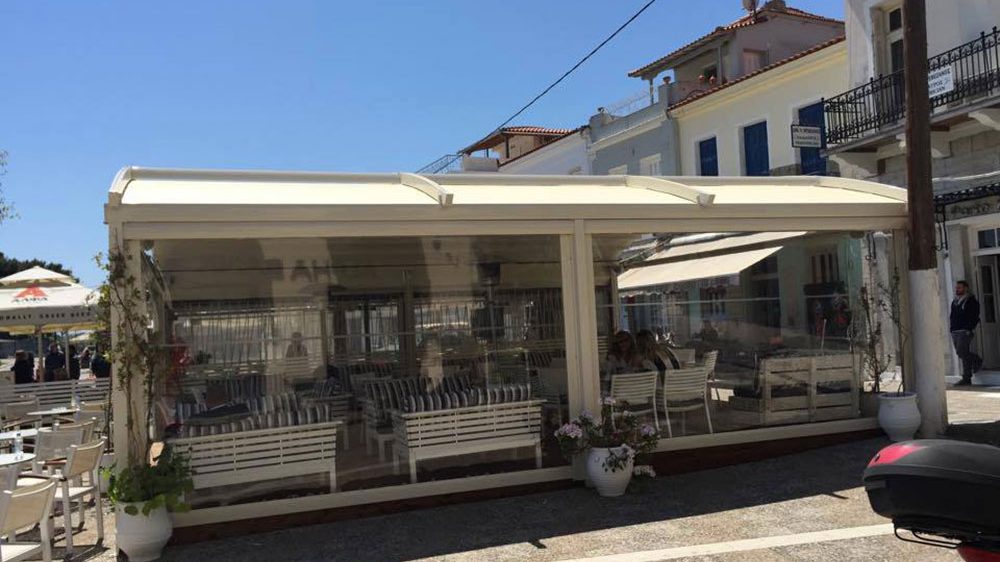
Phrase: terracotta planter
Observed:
(898, 415)
(607, 482)
(143, 537)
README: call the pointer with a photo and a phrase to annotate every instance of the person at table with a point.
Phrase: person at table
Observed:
(23, 368)
(54, 361)
(74, 363)
(100, 366)
(296, 348)
(86, 357)
(623, 356)
(654, 358)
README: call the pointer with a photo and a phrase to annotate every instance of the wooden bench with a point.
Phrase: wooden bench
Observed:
(58, 393)
(263, 454)
(813, 406)
(460, 431)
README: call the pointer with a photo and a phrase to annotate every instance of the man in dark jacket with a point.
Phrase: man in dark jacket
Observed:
(963, 321)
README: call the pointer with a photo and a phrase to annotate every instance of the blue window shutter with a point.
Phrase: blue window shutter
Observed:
(708, 156)
(755, 150)
(812, 158)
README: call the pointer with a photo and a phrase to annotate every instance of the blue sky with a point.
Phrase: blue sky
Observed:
(89, 87)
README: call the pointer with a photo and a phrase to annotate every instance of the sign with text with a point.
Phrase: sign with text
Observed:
(940, 81)
(807, 136)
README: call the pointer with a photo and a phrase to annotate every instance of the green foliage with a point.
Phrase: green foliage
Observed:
(151, 486)
(10, 266)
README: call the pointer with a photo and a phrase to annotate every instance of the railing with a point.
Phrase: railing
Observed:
(445, 165)
(968, 71)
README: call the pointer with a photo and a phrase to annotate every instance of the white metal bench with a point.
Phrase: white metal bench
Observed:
(262, 454)
(459, 431)
(58, 393)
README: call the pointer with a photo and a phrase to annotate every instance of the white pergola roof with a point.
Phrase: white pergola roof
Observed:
(164, 203)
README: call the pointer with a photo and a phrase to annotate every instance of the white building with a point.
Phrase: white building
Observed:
(865, 133)
(714, 125)
(567, 155)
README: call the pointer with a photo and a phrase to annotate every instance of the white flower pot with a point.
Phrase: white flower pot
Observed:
(898, 415)
(143, 537)
(608, 483)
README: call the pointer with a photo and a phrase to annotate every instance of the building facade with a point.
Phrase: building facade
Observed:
(567, 155)
(744, 127)
(865, 129)
(644, 142)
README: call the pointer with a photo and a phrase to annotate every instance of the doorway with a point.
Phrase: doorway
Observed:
(988, 338)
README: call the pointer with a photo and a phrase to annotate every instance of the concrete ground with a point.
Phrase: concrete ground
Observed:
(807, 506)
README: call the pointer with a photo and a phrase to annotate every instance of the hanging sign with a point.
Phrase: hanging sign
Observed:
(940, 81)
(807, 136)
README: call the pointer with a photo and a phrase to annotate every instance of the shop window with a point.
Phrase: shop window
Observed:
(762, 310)
(355, 342)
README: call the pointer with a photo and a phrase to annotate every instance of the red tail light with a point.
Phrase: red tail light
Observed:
(973, 554)
(893, 453)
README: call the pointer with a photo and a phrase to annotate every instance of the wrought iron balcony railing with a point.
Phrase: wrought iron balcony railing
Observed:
(972, 70)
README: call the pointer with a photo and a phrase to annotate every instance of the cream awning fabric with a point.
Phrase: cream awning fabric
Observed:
(727, 243)
(36, 276)
(689, 270)
(184, 204)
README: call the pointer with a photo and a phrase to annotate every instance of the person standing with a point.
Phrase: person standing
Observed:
(23, 368)
(963, 321)
(54, 361)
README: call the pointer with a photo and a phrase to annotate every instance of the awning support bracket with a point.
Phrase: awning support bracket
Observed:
(661, 185)
(432, 189)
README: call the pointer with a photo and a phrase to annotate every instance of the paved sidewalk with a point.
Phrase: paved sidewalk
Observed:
(815, 491)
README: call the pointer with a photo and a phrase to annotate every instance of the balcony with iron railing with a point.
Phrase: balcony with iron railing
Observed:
(965, 75)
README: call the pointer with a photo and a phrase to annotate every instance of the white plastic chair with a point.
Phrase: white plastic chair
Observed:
(82, 464)
(18, 412)
(637, 389)
(52, 445)
(24, 508)
(711, 358)
(686, 387)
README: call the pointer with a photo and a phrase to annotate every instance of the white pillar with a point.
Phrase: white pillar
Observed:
(949, 282)
(928, 355)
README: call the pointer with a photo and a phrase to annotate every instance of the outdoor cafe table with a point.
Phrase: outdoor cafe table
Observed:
(53, 412)
(11, 459)
(27, 433)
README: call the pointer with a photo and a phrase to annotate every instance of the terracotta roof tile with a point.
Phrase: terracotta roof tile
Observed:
(698, 95)
(496, 136)
(745, 21)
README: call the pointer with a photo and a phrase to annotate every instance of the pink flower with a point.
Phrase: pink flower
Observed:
(570, 430)
(647, 430)
(608, 401)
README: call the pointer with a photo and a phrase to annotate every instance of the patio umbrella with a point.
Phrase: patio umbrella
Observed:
(37, 300)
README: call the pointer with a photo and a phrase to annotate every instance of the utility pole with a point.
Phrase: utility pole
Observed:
(925, 292)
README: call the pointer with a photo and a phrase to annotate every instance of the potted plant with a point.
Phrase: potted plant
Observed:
(143, 496)
(143, 489)
(611, 444)
(898, 414)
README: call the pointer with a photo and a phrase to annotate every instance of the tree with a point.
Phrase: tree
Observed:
(6, 208)
(10, 266)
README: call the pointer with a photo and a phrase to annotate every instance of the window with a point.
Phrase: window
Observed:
(893, 33)
(618, 170)
(710, 72)
(650, 166)
(755, 158)
(989, 294)
(708, 158)
(811, 159)
(753, 60)
(987, 239)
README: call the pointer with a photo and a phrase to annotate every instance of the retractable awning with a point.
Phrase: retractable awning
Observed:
(714, 267)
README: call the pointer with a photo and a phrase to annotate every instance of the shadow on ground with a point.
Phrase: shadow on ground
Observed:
(534, 518)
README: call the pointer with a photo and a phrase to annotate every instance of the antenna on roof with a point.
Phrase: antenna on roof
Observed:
(751, 7)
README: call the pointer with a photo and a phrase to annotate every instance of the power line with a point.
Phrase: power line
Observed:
(575, 66)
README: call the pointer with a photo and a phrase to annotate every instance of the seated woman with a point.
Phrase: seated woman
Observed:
(622, 357)
(654, 357)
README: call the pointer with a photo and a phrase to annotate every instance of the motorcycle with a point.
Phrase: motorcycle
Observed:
(940, 493)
